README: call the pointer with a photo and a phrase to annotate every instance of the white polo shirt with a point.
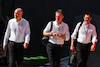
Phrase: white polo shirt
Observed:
(63, 29)
(17, 31)
(85, 33)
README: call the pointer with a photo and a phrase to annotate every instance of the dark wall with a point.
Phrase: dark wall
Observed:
(40, 12)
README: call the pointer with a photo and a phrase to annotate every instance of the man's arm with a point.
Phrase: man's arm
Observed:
(6, 37)
(63, 37)
(27, 36)
(72, 47)
(47, 33)
(66, 37)
(93, 46)
(94, 39)
(4, 47)
(73, 37)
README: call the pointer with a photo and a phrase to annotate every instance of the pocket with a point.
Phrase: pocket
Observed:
(90, 31)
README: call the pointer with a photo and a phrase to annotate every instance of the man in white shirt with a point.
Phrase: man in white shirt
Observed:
(59, 33)
(18, 35)
(87, 38)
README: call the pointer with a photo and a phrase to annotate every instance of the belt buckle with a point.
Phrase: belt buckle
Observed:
(12, 43)
(59, 45)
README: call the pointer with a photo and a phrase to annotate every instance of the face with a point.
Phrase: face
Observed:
(18, 14)
(59, 17)
(87, 18)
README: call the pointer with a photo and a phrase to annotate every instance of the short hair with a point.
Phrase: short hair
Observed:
(59, 11)
(88, 13)
(20, 9)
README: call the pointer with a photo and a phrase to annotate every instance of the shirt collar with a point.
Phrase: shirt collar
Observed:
(58, 24)
(86, 25)
(19, 20)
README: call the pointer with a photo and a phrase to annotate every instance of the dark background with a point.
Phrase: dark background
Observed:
(40, 12)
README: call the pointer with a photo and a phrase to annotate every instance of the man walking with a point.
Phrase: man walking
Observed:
(59, 33)
(87, 38)
(18, 35)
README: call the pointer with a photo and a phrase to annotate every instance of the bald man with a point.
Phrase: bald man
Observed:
(17, 36)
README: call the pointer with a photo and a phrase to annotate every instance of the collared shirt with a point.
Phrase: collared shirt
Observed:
(17, 31)
(63, 29)
(86, 33)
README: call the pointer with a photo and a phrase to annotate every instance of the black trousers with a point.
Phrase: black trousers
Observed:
(15, 54)
(54, 52)
(83, 51)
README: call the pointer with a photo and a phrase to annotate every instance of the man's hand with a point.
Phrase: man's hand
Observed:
(4, 47)
(92, 47)
(25, 45)
(56, 34)
(72, 48)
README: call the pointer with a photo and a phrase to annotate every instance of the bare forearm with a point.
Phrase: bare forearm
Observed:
(72, 47)
(94, 43)
(47, 34)
(72, 42)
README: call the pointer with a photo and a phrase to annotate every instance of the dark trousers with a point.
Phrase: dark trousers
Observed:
(54, 54)
(83, 51)
(15, 54)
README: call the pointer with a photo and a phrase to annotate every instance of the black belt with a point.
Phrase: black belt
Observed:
(12, 42)
(58, 45)
(85, 44)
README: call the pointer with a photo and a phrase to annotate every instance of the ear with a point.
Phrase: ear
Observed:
(22, 13)
(62, 16)
(91, 18)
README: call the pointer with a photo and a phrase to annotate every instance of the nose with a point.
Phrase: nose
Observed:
(87, 18)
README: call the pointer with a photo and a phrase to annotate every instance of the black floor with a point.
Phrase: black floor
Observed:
(93, 61)
(40, 63)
